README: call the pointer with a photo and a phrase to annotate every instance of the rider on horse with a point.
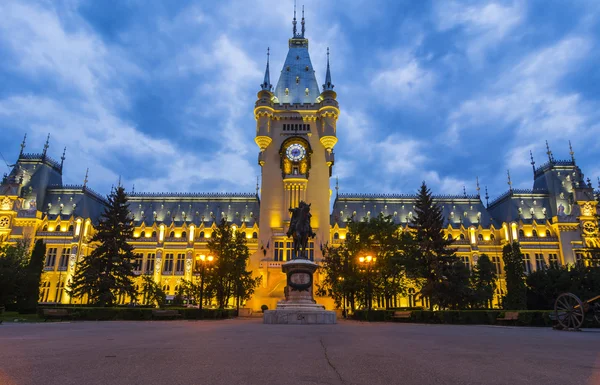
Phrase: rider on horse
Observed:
(300, 228)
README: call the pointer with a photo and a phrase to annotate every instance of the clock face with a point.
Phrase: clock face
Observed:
(295, 152)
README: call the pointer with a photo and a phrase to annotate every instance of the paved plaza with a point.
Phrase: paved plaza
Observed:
(247, 352)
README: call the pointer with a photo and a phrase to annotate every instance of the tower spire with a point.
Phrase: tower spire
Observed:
(62, 158)
(477, 183)
(85, 180)
(23, 145)
(571, 152)
(46, 146)
(532, 161)
(464, 191)
(509, 181)
(337, 187)
(487, 197)
(303, 27)
(266, 85)
(550, 156)
(328, 86)
(295, 29)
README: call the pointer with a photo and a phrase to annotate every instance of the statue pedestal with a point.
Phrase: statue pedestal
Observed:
(299, 306)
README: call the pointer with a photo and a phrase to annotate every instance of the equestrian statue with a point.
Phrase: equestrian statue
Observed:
(300, 229)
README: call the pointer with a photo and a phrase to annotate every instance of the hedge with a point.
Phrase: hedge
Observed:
(463, 317)
(137, 314)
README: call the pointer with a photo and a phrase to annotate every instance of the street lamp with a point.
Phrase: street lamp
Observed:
(368, 261)
(202, 260)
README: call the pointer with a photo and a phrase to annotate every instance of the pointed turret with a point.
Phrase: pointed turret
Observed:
(23, 145)
(266, 85)
(46, 145)
(328, 86)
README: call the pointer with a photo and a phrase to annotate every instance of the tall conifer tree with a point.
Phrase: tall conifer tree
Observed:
(516, 290)
(31, 282)
(433, 257)
(108, 271)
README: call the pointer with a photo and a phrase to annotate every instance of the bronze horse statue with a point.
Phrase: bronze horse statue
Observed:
(300, 229)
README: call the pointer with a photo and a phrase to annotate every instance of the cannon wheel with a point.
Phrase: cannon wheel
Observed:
(568, 310)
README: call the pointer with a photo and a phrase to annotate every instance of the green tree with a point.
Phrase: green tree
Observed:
(108, 271)
(516, 291)
(433, 257)
(229, 278)
(30, 292)
(453, 290)
(153, 294)
(483, 282)
(345, 278)
(13, 265)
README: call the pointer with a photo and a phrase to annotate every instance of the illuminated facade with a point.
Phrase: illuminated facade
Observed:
(295, 134)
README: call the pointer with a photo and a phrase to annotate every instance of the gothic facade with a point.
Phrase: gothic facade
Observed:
(296, 133)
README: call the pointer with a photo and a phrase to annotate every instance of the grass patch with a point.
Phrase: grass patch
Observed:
(11, 316)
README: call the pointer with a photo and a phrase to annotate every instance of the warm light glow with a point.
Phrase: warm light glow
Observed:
(369, 258)
(78, 228)
(210, 258)
(505, 231)
(234, 228)
(148, 234)
(342, 236)
(528, 234)
(177, 235)
(206, 235)
(542, 234)
(50, 228)
(514, 230)
(472, 231)
(487, 238)
(63, 228)
(192, 233)
(200, 257)
(161, 233)
(361, 259)
(248, 235)
(136, 235)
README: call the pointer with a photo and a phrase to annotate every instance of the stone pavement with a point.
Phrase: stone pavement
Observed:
(248, 352)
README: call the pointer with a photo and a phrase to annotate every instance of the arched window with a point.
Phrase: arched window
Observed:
(462, 237)
(449, 237)
(492, 237)
(184, 234)
(534, 233)
(45, 228)
(172, 234)
(154, 234)
(71, 228)
(201, 234)
(480, 237)
(254, 235)
(548, 233)
(336, 236)
(411, 297)
(143, 234)
(521, 233)
(57, 228)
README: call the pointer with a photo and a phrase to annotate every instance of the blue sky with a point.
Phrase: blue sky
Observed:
(162, 93)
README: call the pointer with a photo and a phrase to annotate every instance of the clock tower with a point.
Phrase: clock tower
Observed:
(295, 133)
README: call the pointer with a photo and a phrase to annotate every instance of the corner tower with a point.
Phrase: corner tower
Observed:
(295, 133)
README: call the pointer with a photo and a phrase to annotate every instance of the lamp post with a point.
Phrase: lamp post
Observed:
(203, 260)
(368, 261)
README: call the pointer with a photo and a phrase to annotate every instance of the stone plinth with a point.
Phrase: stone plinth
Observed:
(299, 306)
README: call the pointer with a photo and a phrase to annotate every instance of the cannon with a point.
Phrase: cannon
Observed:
(570, 311)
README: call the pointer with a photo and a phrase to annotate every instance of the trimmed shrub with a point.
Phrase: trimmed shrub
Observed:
(137, 314)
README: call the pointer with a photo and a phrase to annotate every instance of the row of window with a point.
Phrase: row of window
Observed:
(58, 228)
(283, 251)
(540, 262)
(184, 234)
(63, 262)
(296, 127)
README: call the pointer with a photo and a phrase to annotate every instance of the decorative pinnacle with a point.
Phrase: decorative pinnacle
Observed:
(295, 30)
(337, 186)
(477, 182)
(46, 146)
(303, 28)
(509, 181)
(62, 158)
(532, 161)
(487, 197)
(464, 191)
(257, 188)
(328, 84)
(550, 156)
(266, 85)
(85, 180)
(571, 152)
(23, 144)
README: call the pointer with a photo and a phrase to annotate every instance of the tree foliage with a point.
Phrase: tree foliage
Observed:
(434, 260)
(152, 293)
(229, 278)
(13, 265)
(483, 282)
(516, 291)
(108, 271)
(30, 292)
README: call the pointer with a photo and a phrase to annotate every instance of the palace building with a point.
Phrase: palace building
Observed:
(296, 133)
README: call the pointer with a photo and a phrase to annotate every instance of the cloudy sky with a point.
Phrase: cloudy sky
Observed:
(162, 93)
